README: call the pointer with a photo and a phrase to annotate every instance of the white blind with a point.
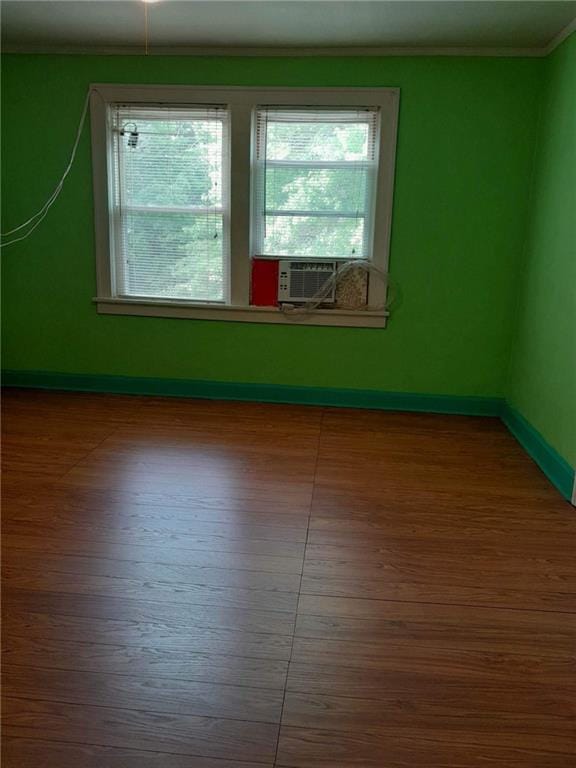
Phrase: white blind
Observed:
(315, 177)
(170, 201)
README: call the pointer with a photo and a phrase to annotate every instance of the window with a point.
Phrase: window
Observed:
(170, 205)
(199, 192)
(315, 174)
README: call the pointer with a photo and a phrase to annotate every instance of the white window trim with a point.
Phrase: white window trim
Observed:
(241, 103)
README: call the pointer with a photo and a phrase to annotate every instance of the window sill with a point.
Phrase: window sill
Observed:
(189, 310)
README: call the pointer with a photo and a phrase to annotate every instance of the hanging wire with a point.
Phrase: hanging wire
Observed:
(39, 216)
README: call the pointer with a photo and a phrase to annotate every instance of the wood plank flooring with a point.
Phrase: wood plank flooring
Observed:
(194, 584)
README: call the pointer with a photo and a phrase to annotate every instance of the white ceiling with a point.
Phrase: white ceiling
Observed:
(102, 25)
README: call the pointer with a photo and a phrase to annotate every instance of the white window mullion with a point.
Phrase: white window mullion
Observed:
(240, 144)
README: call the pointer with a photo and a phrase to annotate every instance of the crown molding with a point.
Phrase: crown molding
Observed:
(560, 37)
(289, 52)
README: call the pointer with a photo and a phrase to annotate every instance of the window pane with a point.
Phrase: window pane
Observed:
(309, 236)
(317, 167)
(174, 163)
(317, 140)
(170, 196)
(338, 190)
(174, 255)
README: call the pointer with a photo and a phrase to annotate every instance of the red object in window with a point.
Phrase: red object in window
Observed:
(264, 283)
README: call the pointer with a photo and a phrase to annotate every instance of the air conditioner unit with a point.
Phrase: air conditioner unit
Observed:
(304, 280)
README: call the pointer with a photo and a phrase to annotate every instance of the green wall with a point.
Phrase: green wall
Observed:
(543, 370)
(466, 141)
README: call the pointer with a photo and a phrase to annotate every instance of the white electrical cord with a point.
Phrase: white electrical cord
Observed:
(332, 282)
(39, 216)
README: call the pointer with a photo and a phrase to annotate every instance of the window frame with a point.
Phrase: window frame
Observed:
(242, 103)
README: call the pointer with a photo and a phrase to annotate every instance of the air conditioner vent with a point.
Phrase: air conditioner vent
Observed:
(304, 280)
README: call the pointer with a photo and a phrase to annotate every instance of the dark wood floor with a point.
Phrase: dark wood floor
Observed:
(195, 584)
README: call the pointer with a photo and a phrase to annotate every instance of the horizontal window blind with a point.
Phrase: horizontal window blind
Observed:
(314, 182)
(170, 201)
